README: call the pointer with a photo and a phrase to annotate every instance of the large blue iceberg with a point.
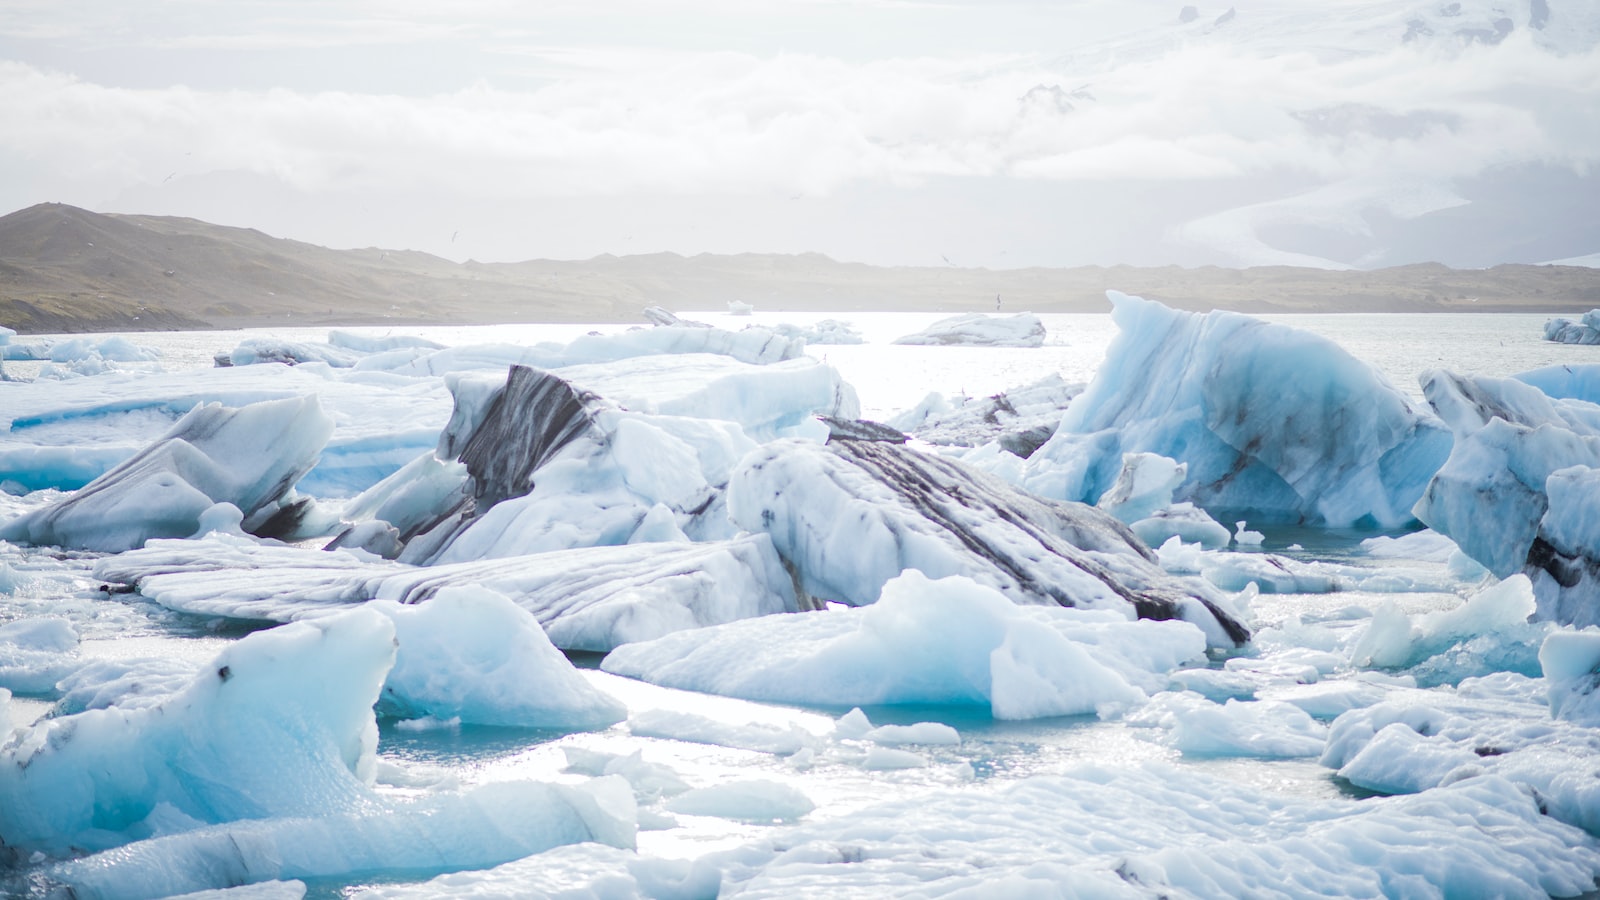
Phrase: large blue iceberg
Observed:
(1275, 423)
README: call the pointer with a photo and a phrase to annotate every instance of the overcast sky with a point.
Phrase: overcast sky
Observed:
(975, 133)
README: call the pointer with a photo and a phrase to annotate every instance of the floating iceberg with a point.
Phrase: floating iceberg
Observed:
(65, 434)
(1518, 490)
(249, 458)
(1020, 419)
(977, 329)
(851, 515)
(1586, 330)
(342, 350)
(533, 463)
(471, 654)
(755, 346)
(587, 599)
(1274, 423)
(949, 641)
(825, 331)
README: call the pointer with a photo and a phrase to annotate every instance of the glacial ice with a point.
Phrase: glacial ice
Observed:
(977, 329)
(851, 515)
(1273, 423)
(753, 346)
(586, 599)
(1517, 490)
(472, 655)
(949, 641)
(249, 457)
(280, 725)
(1586, 330)
(1020, 419)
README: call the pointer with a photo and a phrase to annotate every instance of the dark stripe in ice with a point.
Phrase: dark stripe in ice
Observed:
(938, 489)
(530, 419)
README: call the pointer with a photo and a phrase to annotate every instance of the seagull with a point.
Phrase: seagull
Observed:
(453, 236)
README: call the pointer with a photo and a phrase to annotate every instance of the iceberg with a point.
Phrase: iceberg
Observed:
(977, 329)
(1517, 492)
(1273, 423)
(1020, 419)
(65, 434)
(949, 641)
(587, 599)
(249, 458)
(851, 515)
(472, 655)
(753, 346)
(280, 724)
(1586, 330)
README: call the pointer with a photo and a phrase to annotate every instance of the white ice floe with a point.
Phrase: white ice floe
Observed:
(472, 655)
(1197, 726)
(1570, 661)
(1273, 422)
(825, 331)
(751, 800)
(850, 516)
(949, 641)
(755, 346)
(35, 653)
(249, 458)
(1019, 418)
(1489, 632)
(65, 434)
(587, 599)
(977, 329)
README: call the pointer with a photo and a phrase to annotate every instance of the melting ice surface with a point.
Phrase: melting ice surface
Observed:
(1396, 724)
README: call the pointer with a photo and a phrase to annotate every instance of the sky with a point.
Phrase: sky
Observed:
(1003, 133)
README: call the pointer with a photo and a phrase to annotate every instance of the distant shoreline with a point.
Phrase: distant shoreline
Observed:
(67, 270)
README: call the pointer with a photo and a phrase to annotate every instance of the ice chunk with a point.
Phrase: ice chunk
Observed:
(1184, 521)
(588, 599)
(471, 654)
(1143, 487)
(950, 641)
(1199, 727)
(852, 515)
(977, 329)
(1273, 422)
(757, 736)
(35, 653)
(280, 724)
(1565, 331)
(824, 331)
(250, 457)
(920, 733)
(755, 346)
(745, 801)
(1570, 661)
(1020, 418)
(1489, 631)
(484, 826)
(1498, 726)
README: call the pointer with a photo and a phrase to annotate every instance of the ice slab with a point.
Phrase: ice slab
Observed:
(850, 516)
(979, 330)
(249, 458)
(950, 641)
(1274, 423)
(587, 599)
(1020, 419)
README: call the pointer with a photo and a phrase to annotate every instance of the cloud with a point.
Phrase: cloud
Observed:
(1354, 111)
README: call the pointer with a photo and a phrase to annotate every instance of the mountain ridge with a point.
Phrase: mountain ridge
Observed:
(65, 269)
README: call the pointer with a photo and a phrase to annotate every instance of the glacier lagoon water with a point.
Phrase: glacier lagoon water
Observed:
(1304, 630)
